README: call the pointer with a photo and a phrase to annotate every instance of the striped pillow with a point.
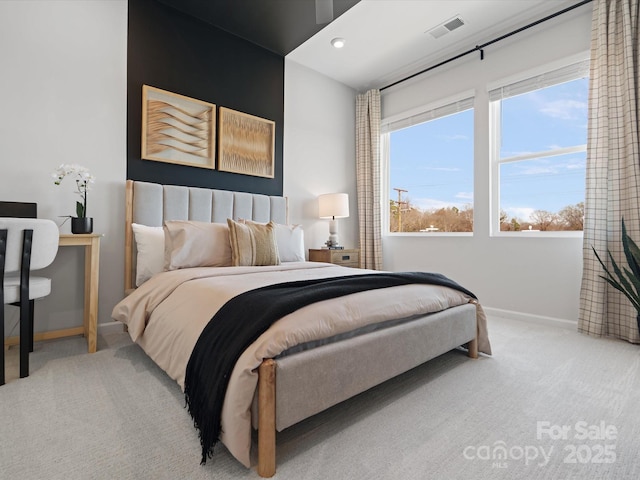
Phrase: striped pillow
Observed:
(253, 244)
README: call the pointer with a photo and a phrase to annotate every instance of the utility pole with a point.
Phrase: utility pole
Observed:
(400, 205)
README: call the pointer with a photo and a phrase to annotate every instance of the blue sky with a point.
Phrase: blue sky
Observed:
(434, 160)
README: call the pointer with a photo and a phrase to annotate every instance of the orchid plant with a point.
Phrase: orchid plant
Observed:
(83, 180)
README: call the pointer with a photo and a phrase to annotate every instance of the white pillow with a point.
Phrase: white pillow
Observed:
(196, 244)
(150, 251)
(290, 240)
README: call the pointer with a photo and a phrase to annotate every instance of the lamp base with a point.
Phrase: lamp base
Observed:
(333, 234)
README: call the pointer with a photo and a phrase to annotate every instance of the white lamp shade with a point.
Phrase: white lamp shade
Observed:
(333, 205)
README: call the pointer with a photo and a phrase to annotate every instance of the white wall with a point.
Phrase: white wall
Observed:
(319, 151)
(537, 277)
(63, 97)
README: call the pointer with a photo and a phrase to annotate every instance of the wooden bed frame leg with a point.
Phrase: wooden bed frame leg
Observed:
(267, 418)
(473, 348)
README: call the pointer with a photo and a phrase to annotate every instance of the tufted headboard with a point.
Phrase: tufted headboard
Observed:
(152, 204)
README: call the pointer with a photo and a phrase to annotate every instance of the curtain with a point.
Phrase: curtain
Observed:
(613, 165)
(368, 178)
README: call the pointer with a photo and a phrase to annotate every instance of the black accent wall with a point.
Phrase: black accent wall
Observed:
(173, 51)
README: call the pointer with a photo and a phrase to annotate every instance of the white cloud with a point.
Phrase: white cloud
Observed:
(521, 213)
(539, 170)
(450, 138)
(564, 109)
(550, 167)
(574, 166)
(465, 195)
(429, 203)
(434, 204)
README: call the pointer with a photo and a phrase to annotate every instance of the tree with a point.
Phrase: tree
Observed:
(543, 220)
(572, 216)
(412, 219)
(504, 219)
(466, 219)
(460, 219)
(393, 215)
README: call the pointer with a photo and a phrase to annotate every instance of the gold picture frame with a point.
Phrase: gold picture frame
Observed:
(246, 144)
(177, 129)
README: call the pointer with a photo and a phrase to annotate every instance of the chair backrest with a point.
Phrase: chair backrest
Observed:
(19, 209)
(46, 237)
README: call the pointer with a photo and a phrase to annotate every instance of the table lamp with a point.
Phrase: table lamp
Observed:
(333, 205)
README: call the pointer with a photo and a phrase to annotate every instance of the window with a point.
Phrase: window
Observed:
(430, 161)
(539, 151)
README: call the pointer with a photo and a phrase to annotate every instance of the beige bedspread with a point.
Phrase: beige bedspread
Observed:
(166, 315)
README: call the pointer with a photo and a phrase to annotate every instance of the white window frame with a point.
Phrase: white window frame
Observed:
(441, 108)
(570, 70)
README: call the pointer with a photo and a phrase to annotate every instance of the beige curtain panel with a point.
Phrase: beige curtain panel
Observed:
(613, 165)
(368, 178)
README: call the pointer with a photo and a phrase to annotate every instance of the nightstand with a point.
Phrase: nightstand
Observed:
(349, 257)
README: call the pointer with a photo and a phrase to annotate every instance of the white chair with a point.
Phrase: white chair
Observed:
(26, 244)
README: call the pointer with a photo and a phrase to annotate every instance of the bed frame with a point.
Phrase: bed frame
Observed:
(343, 369)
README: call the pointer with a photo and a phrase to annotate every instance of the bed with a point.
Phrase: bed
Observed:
(309, 360)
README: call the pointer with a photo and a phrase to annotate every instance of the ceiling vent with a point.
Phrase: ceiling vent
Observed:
(446, 27)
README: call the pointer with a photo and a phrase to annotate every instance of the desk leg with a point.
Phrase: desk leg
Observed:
(91, 276)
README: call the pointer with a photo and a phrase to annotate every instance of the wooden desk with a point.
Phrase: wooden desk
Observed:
(91, 244)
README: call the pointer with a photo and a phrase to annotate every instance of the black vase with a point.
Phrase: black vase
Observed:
(82, 225)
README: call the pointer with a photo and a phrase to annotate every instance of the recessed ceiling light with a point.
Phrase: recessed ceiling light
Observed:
(338, 42)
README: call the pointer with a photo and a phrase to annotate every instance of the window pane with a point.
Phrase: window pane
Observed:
(545, 119)
(546, 193)
(431, 175)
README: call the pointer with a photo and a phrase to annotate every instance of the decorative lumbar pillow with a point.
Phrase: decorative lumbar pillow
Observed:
(196, 244)
(290, 240)
(149, 250)
(253, 244)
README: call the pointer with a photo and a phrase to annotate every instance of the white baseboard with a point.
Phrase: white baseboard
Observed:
(531, 318)
(111, 327)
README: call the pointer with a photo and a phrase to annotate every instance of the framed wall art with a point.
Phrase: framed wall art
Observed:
(245, 143)
(177, 129)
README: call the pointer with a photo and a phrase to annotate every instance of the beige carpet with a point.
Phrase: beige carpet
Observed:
(115, 415)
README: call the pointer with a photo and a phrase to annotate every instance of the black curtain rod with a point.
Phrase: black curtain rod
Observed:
(481, 47)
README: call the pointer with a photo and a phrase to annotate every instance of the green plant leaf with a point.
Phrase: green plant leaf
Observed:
(617, 286)
(625, 280)
(631, 251)
(611, 280)
(604, 267)
(635, 283)
(79, 210)
(635, 257)
(628, 289)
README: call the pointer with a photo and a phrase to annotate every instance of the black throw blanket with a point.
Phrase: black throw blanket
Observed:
(245, 317)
